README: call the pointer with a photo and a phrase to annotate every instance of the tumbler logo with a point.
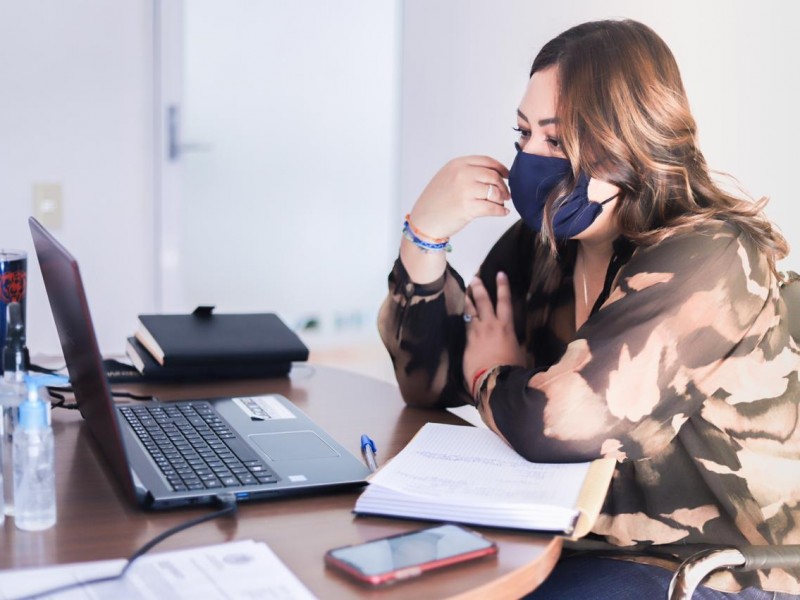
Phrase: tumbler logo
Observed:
(12, 286)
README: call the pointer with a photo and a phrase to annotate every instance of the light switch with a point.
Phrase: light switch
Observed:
(47, 204)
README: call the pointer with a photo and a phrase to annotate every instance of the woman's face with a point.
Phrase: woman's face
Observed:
(539, 134)
(536, 115)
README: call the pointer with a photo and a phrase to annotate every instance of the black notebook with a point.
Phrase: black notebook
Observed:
(208, 338)
(146, 368)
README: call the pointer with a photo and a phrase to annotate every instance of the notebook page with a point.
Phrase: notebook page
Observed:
(469, 413)
(467, 465)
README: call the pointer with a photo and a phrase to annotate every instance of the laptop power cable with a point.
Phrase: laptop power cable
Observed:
(61, 399)
(226, 504)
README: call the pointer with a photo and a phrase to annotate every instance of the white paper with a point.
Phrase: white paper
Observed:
(244, 569)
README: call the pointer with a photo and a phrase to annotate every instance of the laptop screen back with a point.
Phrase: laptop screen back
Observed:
(62, 281)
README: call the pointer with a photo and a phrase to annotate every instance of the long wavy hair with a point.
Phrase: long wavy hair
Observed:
(624, 118)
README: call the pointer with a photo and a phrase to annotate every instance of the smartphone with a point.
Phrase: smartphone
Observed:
(397, 557)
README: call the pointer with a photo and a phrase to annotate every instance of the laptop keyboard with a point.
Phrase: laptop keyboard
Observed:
(194, 448)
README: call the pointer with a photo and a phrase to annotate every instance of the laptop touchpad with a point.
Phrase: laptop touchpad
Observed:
(293, 445)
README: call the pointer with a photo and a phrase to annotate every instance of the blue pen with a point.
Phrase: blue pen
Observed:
(369, 450)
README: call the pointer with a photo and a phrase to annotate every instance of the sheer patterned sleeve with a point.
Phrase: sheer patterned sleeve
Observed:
(678, 315)
(423, 329)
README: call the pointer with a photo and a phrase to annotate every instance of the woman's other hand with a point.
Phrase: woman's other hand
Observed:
(491, 340)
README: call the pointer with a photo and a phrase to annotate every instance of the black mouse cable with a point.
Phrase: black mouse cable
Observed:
(226, 501)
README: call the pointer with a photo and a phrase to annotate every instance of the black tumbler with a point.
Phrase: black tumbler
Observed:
(13, 285)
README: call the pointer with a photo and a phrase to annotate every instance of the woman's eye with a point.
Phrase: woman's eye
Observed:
(553, 143)
(523, 133)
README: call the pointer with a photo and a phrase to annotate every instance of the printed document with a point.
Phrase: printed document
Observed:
(243, 569)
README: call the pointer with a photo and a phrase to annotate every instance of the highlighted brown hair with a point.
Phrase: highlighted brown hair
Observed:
(624, 118)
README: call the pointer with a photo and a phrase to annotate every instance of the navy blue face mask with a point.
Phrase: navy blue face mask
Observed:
(530, 181)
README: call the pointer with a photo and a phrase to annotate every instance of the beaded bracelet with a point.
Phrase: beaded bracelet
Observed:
(422, 244)
(419, 233)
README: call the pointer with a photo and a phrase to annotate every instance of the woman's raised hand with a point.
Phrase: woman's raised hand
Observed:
(463, 189)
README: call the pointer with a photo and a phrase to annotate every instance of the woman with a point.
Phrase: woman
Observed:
(633, 312)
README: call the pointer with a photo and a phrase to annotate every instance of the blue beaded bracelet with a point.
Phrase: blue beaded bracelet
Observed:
(422, 244)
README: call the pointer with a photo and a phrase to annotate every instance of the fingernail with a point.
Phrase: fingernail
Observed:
(502, 276)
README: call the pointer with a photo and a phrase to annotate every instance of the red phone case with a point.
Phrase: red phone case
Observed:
(409, 571)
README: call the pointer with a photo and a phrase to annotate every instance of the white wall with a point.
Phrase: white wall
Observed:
(466, 63)
(75, 92)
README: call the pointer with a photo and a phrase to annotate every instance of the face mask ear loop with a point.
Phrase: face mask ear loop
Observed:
(609, 199)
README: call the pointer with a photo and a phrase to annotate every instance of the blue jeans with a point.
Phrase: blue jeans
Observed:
(600, 578)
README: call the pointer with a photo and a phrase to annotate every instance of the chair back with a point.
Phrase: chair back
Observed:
(790, 292)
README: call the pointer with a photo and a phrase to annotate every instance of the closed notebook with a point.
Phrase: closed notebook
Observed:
(148, 369)
(465, 474)
(205, 337)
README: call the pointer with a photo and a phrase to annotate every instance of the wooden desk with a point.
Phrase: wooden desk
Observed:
(96, 522)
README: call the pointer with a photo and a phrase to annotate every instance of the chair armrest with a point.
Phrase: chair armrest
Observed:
(697, 567)
(769, 557)
(745, 558)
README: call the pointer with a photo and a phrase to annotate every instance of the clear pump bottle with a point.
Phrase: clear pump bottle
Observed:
(34, 473)
(12, 393)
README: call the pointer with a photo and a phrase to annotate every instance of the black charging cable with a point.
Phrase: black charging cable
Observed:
(226, 501)
(59, 392)
(47, 370)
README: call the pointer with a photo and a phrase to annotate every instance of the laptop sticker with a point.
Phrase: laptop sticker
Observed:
(263, 408)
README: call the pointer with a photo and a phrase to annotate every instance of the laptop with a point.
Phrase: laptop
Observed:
(170, 454)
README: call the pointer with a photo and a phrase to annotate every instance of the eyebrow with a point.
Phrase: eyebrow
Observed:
(540, 122)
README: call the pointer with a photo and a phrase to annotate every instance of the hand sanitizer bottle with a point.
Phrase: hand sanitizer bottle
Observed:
(12, 393)
(34, 473)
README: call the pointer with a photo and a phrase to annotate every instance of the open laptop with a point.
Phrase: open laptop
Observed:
(168, 454)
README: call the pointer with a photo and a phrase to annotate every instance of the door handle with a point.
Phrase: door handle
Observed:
(175, 148)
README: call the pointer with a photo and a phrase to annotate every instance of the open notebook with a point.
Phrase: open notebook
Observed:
(469, 475)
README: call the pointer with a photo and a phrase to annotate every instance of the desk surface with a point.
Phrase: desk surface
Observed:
(96, 522)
